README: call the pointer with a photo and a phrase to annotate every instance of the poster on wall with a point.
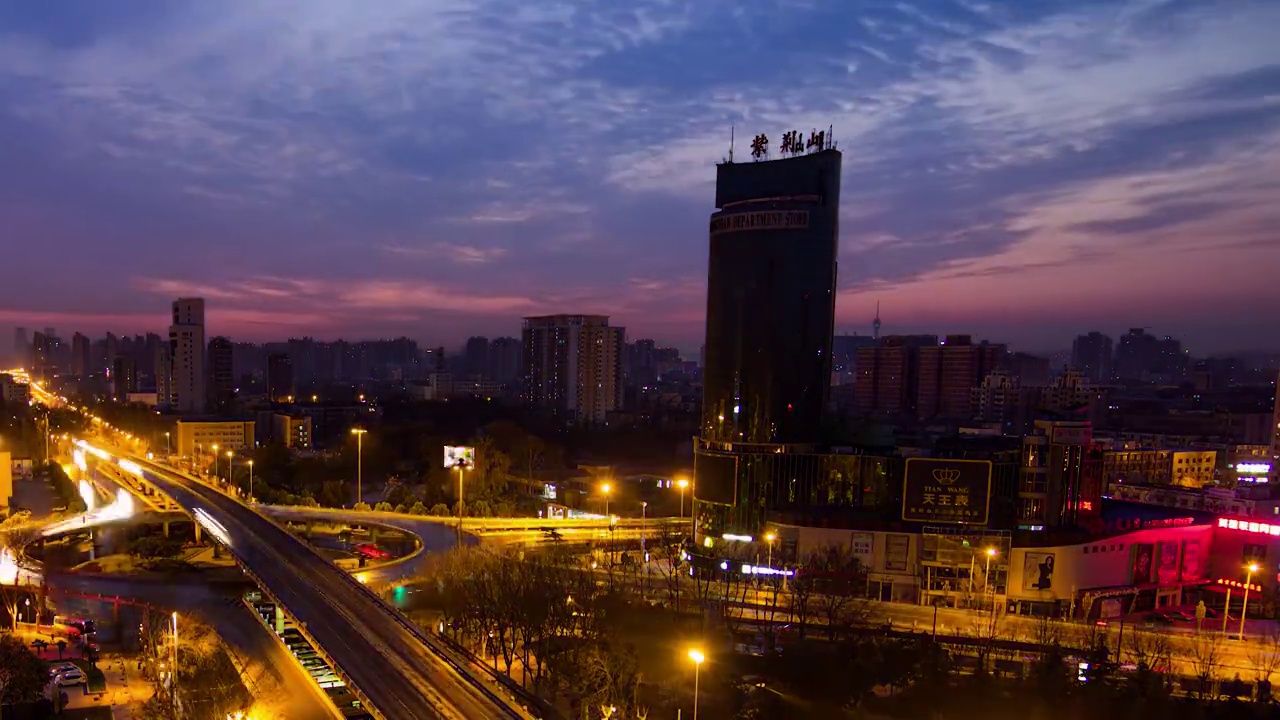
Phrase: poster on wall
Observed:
(895, 552)
(1142, 561)
(1192, 566)
(1167, 566)
(1110, 608)
(862, 546)
(1037, 571)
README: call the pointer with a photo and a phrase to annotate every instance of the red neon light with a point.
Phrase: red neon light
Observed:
(1272, 529)
(1239, 585)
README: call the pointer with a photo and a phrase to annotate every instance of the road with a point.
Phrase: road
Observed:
(374, 647)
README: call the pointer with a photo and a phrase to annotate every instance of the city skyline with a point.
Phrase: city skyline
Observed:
(1022, 175)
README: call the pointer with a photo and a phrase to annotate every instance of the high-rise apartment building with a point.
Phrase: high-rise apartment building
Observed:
(124, 378)
(1092, 355)
(187, 357)
(573, 365)
(476, 356)
(504, 360)
(948, 374)
(222, 380)
(279, 378)
(80, 363)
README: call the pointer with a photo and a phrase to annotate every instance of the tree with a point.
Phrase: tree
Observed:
(383, 506)
(418, 509)
(22, 674)
(1204, 653)
(361, 506)
(1264, 655)
(439, 510)
(481, 509)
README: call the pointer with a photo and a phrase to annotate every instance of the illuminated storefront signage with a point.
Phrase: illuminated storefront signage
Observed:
(1253, 467)
(1239, 585)
(946, 491)
(1272, 529)
(761, 220)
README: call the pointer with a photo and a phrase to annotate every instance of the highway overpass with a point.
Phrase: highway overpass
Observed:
(400, 671)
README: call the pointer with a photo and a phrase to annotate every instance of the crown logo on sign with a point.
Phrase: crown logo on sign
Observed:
(947, 476)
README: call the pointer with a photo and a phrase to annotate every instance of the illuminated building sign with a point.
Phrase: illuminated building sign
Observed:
(1239, 585)
(1272, 529)
(946, 491)
(762, 220)
(1253, 467)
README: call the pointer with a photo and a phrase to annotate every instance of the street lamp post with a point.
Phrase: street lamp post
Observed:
(769, 537)
(644, 554)
(986, 580)
(250, 482)
(1244, 609)
(697, 657)
(173, 678)
(682, 484)
(231, 470)
(215, 460)
(462, 468)
(359, 433)
(167, 451)
(606, 488)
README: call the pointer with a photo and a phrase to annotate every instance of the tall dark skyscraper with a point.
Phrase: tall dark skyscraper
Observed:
(771, 292)
(279, 378)
(1091, 354)
(771, 298)
(124, 378)
(222, 380)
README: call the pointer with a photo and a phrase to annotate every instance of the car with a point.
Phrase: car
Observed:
(1159, 618)
(60, 668)
(1181, 615)
(70, 678)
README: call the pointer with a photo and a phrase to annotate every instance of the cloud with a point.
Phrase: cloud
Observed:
(464, 254)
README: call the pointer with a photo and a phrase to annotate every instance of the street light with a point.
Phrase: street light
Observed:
(697, 657)
(231, 471)
(1244, 609)
(173, 682)
(215, 460)
(682, 483)
(250, 482)
(769, 537)
(605, 488)
(986, 579)
(359, 433)
(166, 444)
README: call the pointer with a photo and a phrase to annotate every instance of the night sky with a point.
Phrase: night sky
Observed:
(1020, 170)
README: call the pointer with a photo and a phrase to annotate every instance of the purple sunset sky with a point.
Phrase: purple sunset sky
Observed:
(1023, 171)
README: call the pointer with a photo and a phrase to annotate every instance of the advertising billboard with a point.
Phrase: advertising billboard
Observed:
(946, 491)
(455, 455)
(1143, 559)
(715, 478)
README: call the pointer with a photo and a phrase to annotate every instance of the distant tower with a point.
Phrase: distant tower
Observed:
(875, 324)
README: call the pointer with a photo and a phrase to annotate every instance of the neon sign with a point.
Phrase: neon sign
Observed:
(1253, 467)
(1250, 526)
(1239, 585)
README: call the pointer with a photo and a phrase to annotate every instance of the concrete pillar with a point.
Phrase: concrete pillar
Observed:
(196, 525)
(279, 624)
(166, 528)
(309, 527)
(373, 534)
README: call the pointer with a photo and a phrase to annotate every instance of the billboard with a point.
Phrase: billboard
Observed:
(1143, 559)
(1167, 564)
(946, 491)
(1037, 571)
(455, 455)
(715, 477)
(764, 220)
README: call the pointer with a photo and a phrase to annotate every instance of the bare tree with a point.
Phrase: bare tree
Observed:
(986, 629)
(1264, 655)
(1150, 650)
(1204, 654)
(1046, 631)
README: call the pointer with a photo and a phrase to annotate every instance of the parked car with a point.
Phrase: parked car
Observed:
(60, 668)
(70, 677)
(1181, 615)
(1159, 618)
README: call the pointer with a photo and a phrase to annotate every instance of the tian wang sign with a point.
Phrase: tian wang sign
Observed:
(763, 220)
(946, 491)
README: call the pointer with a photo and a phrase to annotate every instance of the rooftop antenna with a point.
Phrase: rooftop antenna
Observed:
(831, 138)
(731, 143)
(875, 324)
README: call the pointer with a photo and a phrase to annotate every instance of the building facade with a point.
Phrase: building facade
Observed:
(294, 431)
(222, 381)
(573, 365)
(280, 387)
(186, 357)
(199, 436)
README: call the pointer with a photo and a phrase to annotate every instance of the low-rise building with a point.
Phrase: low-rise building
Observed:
(201, 435)
(294, 431)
